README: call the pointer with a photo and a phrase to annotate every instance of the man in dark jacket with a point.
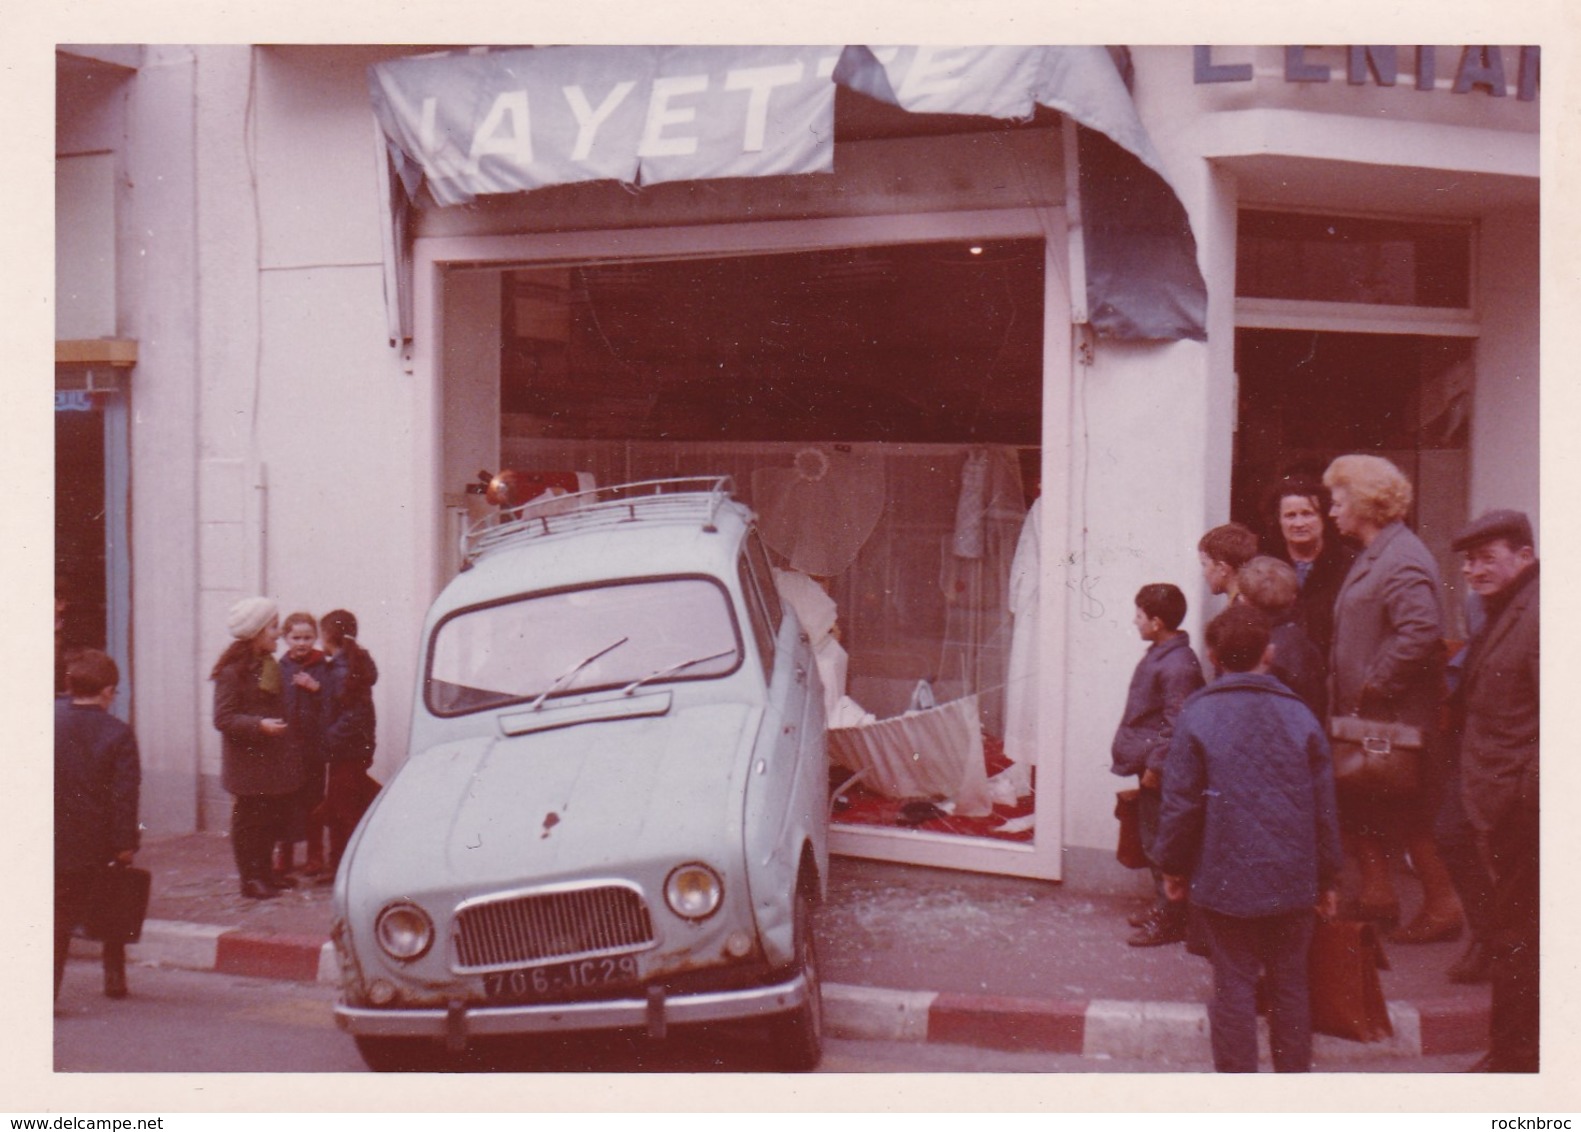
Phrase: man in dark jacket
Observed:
(97, 777)
(1499, 771)
(1249, 829)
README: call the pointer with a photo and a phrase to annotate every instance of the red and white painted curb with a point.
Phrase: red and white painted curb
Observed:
(1097, 1028)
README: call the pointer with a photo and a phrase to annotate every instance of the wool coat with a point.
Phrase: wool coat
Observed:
(1249, 810)
(1315, 601)
(1387, 659)
(1500, 737)
(305, 710)
(97, 779)
(252, 763)
(1165, 677)
(350, 724)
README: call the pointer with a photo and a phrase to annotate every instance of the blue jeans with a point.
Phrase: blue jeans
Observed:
(1241, 950)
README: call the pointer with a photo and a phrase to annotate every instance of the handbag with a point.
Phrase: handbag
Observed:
(1129, 851)
(1346, 994)
(120, 901)
(1374, 756)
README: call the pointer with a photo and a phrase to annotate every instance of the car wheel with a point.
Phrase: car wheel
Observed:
(798, 1036)
(401, 1055)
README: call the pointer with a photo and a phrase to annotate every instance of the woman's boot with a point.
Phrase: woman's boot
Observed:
(1441, 918)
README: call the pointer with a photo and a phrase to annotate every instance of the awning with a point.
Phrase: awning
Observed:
(468, 124)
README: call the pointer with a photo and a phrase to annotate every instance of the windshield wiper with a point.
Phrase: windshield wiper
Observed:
(570, 673)
(668, 669)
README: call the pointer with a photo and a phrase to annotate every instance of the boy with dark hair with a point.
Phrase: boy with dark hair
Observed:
(1222, 552)
(1249, 829)
(1167, 674)
(97, 778)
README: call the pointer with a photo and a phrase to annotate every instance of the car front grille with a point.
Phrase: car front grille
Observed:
(551, 927)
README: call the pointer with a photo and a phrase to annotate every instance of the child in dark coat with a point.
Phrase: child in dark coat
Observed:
(1270, 586)
(1249, 829)
(302, 672)
(349, 730)
(97, 779)
(1166, 675)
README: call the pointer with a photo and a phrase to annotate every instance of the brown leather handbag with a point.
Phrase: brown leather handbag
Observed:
(1347, 996)
(1130, 851)
(1374, 756)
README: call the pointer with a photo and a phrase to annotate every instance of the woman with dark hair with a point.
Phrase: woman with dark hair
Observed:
(261, 767)
(1387, 663)
(1305, 537)
(350, 729)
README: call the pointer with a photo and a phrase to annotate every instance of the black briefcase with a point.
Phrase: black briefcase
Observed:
(120, 901)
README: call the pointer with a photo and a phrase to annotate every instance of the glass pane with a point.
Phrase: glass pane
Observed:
(1351, 260)
(579, 640)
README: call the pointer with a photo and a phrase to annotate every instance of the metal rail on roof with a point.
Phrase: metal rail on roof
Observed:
(678, 500)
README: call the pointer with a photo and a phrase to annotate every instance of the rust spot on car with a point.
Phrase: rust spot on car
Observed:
(550, 820)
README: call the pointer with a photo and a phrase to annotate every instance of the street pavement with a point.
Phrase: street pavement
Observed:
(210, 1023)
(909, 955)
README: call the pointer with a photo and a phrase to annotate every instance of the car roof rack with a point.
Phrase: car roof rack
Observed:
(677, 500)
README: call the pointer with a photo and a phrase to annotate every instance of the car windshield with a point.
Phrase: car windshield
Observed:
(620, 635)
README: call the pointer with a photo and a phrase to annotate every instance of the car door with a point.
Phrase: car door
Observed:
(773, 821)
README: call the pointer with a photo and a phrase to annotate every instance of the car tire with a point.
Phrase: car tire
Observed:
(401, 1055)
(797, 1037)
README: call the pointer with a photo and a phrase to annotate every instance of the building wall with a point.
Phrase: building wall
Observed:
(1505, 418)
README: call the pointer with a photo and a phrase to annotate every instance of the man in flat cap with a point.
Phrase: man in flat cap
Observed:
(1499, 768)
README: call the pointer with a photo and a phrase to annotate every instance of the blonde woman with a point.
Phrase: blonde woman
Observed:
(1387, 662)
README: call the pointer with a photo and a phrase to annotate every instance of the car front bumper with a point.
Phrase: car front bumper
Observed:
(654, 1013)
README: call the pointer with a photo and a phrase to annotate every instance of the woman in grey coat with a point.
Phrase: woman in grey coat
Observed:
(1387, 662)
(260, 767)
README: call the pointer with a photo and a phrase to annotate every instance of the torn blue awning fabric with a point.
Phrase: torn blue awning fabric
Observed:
(506, 120)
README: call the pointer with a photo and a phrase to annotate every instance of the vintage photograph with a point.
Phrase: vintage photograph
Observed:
(770, 559)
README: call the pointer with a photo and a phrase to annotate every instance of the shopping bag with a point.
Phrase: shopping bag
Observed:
(1347, 996)
(1373, 756)
(120, 901)
(1129, 851)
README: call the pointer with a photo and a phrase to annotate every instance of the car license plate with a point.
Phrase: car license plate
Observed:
(560, 980)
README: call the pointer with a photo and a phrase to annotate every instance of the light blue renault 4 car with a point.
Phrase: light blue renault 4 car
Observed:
(614, 811)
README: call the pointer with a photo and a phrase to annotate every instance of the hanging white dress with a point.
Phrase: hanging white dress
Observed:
(1021, 691)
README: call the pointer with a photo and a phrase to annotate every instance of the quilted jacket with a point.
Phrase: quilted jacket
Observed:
(1248, 810)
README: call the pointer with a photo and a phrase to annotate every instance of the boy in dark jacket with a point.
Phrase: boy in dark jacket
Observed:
(97, 779)
(1166, 675)
(1249, 829)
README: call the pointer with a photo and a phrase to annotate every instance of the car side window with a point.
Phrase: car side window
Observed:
(757, 613)
(764, 573)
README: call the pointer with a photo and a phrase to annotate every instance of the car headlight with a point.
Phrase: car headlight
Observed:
(404, 931)
(694, 891)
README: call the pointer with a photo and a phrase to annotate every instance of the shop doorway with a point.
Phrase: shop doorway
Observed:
(910, 374)
(80, 605)
(1307, 396)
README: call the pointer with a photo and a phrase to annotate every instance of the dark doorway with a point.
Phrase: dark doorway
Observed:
(80, 593)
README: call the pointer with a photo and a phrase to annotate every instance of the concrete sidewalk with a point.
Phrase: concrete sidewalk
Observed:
(908, 954)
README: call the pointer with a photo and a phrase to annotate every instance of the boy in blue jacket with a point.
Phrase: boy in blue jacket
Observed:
(1249, 830)
(1166, 675)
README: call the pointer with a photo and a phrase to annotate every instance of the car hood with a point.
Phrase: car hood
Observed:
(497, 812)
